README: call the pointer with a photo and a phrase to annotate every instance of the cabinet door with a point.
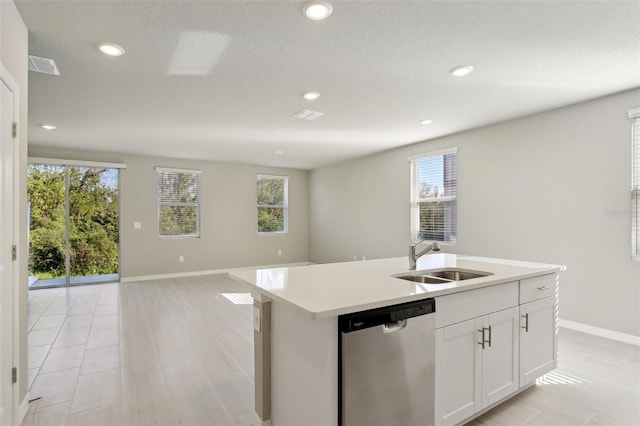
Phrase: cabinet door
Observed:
(538, 339)
(457, 372)
(500, 356)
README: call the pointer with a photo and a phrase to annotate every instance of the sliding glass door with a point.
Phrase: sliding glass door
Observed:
(46, 188)
(93, 225)
(73, 225)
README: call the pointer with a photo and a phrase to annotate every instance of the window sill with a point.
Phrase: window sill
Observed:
(272, 234)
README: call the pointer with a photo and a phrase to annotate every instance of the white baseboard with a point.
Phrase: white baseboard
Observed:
(207, 272)
(601, 332)
(24, 407)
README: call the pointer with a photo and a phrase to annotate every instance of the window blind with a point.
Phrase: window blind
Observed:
(434, 196)
(635, 184)
(178, 193)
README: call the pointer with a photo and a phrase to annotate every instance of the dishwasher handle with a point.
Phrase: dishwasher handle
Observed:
(390, 327)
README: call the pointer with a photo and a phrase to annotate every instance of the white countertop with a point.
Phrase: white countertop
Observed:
(332, 289)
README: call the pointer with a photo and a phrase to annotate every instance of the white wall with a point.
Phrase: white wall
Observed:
(13, 55)
(228, 215)
(552, 187)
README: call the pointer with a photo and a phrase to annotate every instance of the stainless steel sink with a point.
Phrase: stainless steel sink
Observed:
(425, 279)
(455, 275)
(442, 276)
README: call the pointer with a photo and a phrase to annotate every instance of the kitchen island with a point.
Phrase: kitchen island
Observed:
(296, 313)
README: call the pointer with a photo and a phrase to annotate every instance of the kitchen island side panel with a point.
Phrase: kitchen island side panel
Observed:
(304, 366)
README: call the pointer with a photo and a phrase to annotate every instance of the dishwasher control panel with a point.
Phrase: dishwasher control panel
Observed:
(389, 314)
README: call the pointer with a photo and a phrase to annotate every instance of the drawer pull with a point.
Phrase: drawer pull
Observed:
(482, 330)
(543, 288)
(526, 322)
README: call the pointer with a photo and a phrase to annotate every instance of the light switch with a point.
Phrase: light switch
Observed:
(137, 225)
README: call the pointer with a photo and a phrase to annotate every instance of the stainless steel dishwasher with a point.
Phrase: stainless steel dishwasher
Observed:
(387, 366)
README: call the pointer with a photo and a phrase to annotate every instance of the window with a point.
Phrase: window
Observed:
(433, 196)
(178, 202)
(273, 194)
(634, 114)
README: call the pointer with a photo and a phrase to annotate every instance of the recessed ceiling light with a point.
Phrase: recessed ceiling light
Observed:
(318, 10)
(311, 95)
(426, 122)
(49, 127)
(111, 49)
(278, 152)
(460, 71)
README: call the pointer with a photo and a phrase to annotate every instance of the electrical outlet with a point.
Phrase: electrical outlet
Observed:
(181, 259)
(137, 225)
(279, 252)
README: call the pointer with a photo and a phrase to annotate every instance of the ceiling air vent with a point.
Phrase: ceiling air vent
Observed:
(307, 114)
(43, 65)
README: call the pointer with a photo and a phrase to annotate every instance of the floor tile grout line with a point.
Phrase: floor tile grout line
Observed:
(61, 402)
(590, 419)
(81, 362)
(47, 355)
(93, 408)
(41, 313)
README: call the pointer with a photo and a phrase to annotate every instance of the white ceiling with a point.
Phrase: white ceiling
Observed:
(221, 80)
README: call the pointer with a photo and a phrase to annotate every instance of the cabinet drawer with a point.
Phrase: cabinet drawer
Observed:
(538, 287)
(465, 305)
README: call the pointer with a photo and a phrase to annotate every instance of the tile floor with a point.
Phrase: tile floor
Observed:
(163, 352)
(179, 352)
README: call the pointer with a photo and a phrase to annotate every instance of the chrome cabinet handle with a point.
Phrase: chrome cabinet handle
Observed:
(489, 341)
(482, 341)
(526, 322)
(544, 287)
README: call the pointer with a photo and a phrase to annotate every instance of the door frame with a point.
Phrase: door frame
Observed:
(16, 406)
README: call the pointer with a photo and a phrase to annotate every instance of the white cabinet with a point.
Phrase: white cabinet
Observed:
(476, 359)
(517, 323)
(476, 364)
(499, 356)
(457, 372)
(538, 339)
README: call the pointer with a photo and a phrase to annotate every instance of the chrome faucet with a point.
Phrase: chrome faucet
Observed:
(413, 257)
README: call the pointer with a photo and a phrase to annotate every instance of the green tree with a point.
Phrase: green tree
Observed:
(93, 220)
(178, 195)
(271, 193)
